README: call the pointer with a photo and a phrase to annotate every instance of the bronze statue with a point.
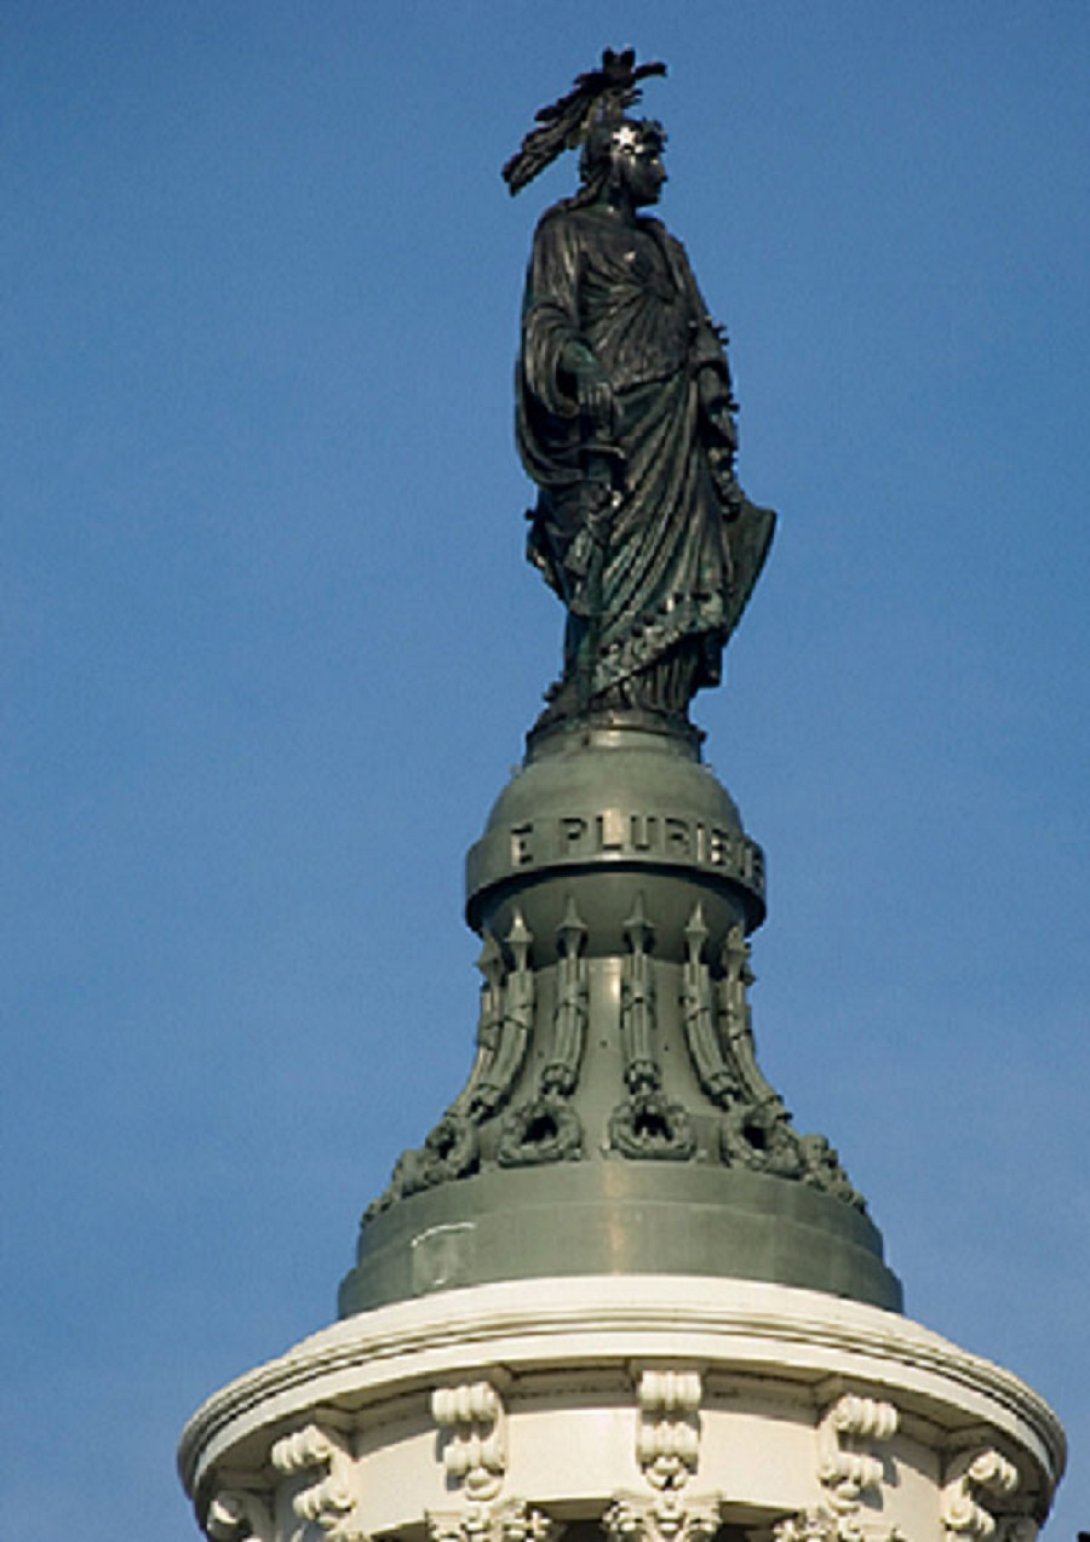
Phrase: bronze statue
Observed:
(625, 421)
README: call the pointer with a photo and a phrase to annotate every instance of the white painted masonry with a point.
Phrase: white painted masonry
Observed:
(657, 1406)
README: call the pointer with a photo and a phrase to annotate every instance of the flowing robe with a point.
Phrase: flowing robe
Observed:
(676, 566)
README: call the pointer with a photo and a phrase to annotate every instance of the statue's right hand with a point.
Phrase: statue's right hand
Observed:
(595, 397)
(593, 392)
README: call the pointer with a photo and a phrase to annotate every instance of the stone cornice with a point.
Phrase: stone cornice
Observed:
(740, 1326)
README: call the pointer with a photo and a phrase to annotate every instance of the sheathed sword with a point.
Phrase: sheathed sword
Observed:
(600, 500)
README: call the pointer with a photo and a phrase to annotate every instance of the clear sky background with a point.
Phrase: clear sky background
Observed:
(270, 647)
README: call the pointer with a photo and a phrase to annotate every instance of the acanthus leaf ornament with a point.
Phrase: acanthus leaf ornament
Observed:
(820, 1524)
(512, 1521)
(668, 1517)
(816, 1524)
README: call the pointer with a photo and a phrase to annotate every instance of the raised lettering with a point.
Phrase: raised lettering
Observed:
(610, 830)
(521, 854)
(719, 848)
(573, 829)
(644, 829)
(679, 838)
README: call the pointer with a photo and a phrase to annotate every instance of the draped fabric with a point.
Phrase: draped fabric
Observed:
(675, 574)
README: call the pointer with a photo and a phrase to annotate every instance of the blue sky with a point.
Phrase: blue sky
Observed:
(270, 647)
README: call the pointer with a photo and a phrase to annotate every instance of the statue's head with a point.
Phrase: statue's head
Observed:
(618, 151)
(623, 153)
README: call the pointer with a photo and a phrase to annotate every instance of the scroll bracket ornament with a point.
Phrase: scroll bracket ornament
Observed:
(668, 1434)
(239, 1515)
(330, 1503)
(969, 1472)
(472, 1419)
(847, 1468)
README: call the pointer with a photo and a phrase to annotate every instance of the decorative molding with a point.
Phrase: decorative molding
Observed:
(472, 1418)
(514, 1521)
(238, 1515)
(751, 1323)
(984, 1469)
(666, 1518)
(845, 1468)
(668, 1434)
(331, 1502)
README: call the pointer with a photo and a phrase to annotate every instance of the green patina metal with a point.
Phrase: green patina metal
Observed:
(615, 1118)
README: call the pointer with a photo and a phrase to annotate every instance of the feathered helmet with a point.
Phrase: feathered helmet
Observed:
(592, 115)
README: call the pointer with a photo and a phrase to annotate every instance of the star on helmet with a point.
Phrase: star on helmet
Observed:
(627, 138)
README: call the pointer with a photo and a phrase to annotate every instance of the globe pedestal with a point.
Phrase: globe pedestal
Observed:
(616, 1119)
(615, 1291)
